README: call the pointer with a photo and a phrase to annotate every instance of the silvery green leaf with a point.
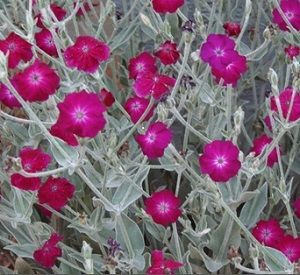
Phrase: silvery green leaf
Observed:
(253, 208)
(5, 270)
(71, 152)
(277, 261)
(243, 48)
(22, 250)
(205, 93)
(156, 230)
(34, 130)
(295, 167)
(139, 262)
(18, 131)
(123, 36)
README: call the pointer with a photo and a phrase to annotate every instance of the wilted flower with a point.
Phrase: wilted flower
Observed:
(49, 252)
(44, 41)
(113, 247)
(168, 53)
(259, 145)
(220, 160)
(19, 49)
(142, 64)
(156, 139)
(58, 11)
(56, 192)
(292, 51)
(159, 265)
(291, 9)
(7, 98)
(136, 106)
(106, 97)
(37, 82)
(163, 6)
(232, 28)
(290, 247)
(86, 54)
(268, 232)
(163, 207)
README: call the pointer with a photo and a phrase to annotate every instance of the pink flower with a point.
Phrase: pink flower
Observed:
(163, 207)
(156, 139)
(19, 49)
(168, 53)
(44, 41)
(220, 160)
(37, 82)
(28, 184)
(58, 11)
(291, 9)
(290, 247)
(106, 97)
(259, 145)
(136, 106)
(56, 192)
(218, 50)
(164, 6)
(80, 114)
(49, 252)
(268, 232)
(232, 28)
(161, 266)
(285, 99)
(7, 98)
(292, 51)
(141, 64)
(157, 85)
(297, 207)
(86, 54)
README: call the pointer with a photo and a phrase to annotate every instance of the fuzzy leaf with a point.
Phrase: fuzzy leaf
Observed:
(276, 260)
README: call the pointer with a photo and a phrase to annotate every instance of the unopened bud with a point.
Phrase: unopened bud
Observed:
(273, 78)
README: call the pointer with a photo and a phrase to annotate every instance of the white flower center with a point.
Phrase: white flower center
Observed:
(163, 207)
(35, 78)
(54, 188)
(12, 46)
(220, 161)
(219, 52)
(85, 48)
(151, 137)
(136, 106)
(79, 115)
(140, 67)
(289, 15)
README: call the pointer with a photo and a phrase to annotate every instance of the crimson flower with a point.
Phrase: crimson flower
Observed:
(80, 114)
(163, 207)
(44, 41)
(159, 265)
(58, 11)
(292, 51)
(259, 145)
(290, 247)
(156, 139)
(232, 28)
(285, 99)
(220, 160)
(297, 207)
(19, 49)
(157, 85)
(37, 82)
(56, 192)
(7, 98)
(106, 97)
(291, 9)
(23, 183)
(164, 6)
(86, 54)
(49, 252)
(268, 232)
(136, 106)
(168, 53)
(141, 64)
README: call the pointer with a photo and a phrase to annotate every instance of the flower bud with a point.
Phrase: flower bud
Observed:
(273, 78)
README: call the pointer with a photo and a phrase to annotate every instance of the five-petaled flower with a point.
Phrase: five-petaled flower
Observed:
(142, 64)
(167, 53)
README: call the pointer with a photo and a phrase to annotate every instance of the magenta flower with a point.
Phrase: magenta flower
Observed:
(268, 232)
(156, 139)
(297, 207)
(58, 11)
(37, 82)
(157, 85)
(80, 114)
(168, 53)
(84, 7)
(164, 6)
(44, 41)
(259, 145)
(292, 51)
(142, 64)
(86, 54)
(290, 247)
(220, 160)
(19, 49)
(136, 106)
(291, 9)
(106, 97)
(7, 98)
(159, 265)
(49, 252)
(163, 207)
(32, 160)
(285, 99)
(56, 192)
(232, 28)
